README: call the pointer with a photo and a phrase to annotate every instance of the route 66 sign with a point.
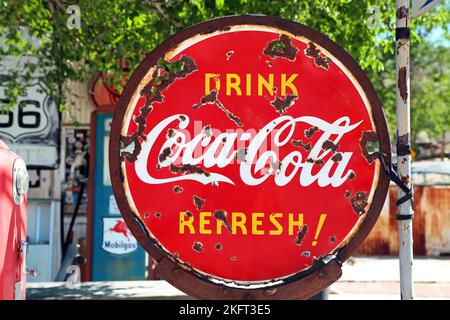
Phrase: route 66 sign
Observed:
(239, 158)
(32, 128)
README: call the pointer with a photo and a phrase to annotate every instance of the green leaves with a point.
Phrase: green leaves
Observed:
(118, 32)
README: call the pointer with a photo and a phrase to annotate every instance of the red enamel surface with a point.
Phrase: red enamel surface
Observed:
(327, 94)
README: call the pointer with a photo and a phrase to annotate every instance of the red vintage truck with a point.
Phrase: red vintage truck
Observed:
(13, 224)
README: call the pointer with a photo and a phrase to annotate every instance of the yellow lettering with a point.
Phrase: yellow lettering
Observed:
(256, 223)
(288, 83)
(235, 222)
(248, 84)
(233, 82)
(186, 223)
(219, 224)
(292, 222)
(267, 84)
(208, 77)
(203, 222)
(273, 219)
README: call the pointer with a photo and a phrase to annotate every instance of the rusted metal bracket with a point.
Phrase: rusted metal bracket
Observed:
(391, 172)
(296, 290)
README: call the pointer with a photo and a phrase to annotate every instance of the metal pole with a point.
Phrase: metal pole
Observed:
(405, 210)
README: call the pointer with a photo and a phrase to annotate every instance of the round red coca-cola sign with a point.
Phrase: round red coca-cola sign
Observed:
(239, 157)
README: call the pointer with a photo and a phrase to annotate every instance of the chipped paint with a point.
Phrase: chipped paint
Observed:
(320, 60)
(330, 145)
(197, 246)
(222, 216)
(366, 137)
(188, 168)
(198, 202)
(310, 132)
(359, 202)
(301, 235)
(301, 144)
(177, 189)
(282, 48)
(212, 98)
(337, 157)
(282, 104)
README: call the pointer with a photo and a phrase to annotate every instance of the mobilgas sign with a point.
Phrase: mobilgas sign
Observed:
(31, 129)
(240, 158)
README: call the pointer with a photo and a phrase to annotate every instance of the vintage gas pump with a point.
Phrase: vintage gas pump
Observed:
(113, 252)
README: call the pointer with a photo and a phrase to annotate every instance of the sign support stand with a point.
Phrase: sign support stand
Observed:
(404, 203)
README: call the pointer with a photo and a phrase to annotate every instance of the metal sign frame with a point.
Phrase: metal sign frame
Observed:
(304, 284)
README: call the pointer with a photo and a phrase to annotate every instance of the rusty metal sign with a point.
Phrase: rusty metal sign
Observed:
(244, 158)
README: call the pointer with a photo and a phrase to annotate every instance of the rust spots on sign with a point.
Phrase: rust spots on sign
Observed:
(218, 246)
(310, 132)
(233, 258)
(146, 215)
(332, 239)
(319, 59)
(283, 104)
(163, 76)
(212, 98)
(198, 202)
(164, 154)
(330, 145)
(229, 54)
(167, 72)
(157, 215)
(126, 141)
(366, 137)
(347, 193)
(301, 235)
(188, 168)
(315, 161)
(359, 202)
(189, 214)
(337, 157)
(351, 175)
(177, 189)
(402, 84)
(170, 133)
(300, 144)
(318, 162)
(222, 216)
(282, 48)
(197, 246)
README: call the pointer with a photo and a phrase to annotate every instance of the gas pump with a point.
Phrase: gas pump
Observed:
(113, 253)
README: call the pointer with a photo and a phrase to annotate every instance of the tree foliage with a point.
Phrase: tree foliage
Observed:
(116, 31)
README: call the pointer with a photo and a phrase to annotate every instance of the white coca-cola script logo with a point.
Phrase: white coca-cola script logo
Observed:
(220, 153)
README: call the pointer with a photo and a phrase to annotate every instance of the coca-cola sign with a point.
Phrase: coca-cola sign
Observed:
(244, 158)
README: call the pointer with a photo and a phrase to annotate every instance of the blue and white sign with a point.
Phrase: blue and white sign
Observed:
(419, 7)
(117, 238)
